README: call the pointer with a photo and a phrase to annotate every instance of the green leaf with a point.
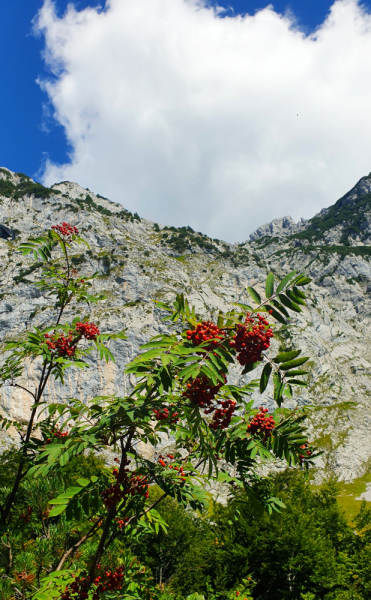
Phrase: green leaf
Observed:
(165, 359)
(254, 451)
(285, 356)
(212, 368)
(254, 294)
(294, 363)
(288, 391)
(289, 303)
(265, 377)
(162, 305)
(269, 285)
(276, 315)
(159, 344)
(244, 307)
(57, 510)
(250, 367)
(297, 382)
(285, 281)
(278, 388)
(298, 372)
(295, 298)
(303, 281)
(281, 308)
(83, 482)
(299, 293)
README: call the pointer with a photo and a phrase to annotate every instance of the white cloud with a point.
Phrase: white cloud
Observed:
(190, 118)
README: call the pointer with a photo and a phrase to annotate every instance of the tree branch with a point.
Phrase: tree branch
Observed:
(70, 551)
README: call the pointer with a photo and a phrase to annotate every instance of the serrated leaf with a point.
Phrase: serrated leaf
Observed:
(298, 372)
(303, 281)
(245, 307)
(250, 367)
(264, 379)
(297, 382)
(299, 293)
(285, 356)
(269, 285)
(288, 391)
(159, 344)
(293, 363)
(276, 315)
(285, 281)
(254, 451)
(212, 368)
(295, 298)
(57, 510)
(281, 308)
(254, 294)
(289, 303)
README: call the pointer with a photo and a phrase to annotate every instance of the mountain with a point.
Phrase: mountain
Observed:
(140, 261)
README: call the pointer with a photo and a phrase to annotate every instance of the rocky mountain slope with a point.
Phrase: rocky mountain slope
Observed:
(140, 260)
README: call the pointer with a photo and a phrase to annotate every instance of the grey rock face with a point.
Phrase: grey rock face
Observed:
(140, 261)
(278, 227)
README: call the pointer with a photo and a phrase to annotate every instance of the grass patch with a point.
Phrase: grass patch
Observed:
(327, 251)
(349, 492)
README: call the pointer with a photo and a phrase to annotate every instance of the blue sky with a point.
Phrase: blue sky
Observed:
(186, 118)
(28, 131)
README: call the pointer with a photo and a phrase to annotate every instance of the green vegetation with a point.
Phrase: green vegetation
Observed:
(6, 188)
(183, 238)
(88, 203)
(69, 532)
(328, 251)
(349, 215)
(308, 550)
(25, 188)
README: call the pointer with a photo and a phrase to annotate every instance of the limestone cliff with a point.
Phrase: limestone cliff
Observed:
(140, 260)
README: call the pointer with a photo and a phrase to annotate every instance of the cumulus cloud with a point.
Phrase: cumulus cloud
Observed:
(220, 123)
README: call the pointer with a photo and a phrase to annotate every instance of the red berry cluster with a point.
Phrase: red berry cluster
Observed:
(66, 230)
(262, 424)
(122, 522)
(60, 434)
(57, 434)
(307, 452)
(87, 330)
(180, 469)
(127, 483)
(65, 346)
(26, 516)
(164, 414)
(223, 416)
(109, 581)
(207, 330)
(251, 342)
(203, 393)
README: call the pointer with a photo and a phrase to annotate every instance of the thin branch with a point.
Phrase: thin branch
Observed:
(68, 552)
(117, 532)
(23, 388)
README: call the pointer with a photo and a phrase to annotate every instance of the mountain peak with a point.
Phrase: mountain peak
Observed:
(278, 227)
